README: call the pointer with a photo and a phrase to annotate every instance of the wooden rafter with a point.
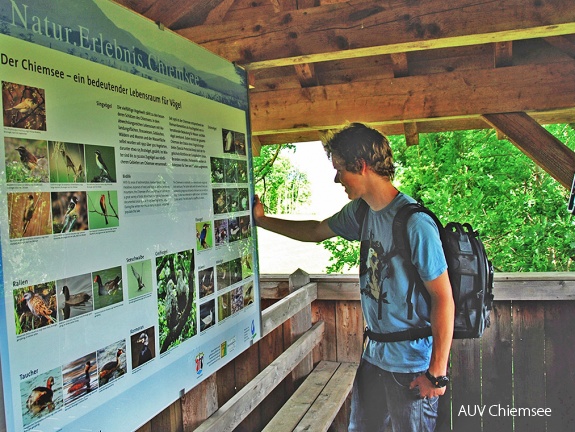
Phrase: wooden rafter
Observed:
(417, 98)
(357, 29)
(537, 143)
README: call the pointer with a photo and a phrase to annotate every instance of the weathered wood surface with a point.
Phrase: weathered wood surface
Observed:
(249, 397)
(315, 404)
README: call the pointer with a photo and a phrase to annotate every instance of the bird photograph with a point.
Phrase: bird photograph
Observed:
(224, 306)
(231, 170)
(248, 293)
(35, 307)
(217, 170)
(103, 209)
(143, 347)
(245, 227)
(41, 396)
(69, 212)
(100, 164)
(107, 287)
(237, 299)
(219, 201)
(206, 282)
(221, 232)
(139, 278)
(242, 171)
(23, 106)
(176, 291)
(204, 235)
(26, 160)
(80, 377)
(228, 141)
(111, 362)
(223, 275)
(74, 296)
(29, 214)
(207, 315)
(66, 162)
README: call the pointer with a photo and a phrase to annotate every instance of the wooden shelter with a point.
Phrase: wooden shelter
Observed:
(403, 66)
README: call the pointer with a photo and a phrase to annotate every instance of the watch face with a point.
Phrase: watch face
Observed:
(442, 381)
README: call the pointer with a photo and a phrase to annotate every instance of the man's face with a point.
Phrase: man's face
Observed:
(349, 180)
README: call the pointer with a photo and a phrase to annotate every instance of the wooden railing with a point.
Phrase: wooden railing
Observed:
(524, 362)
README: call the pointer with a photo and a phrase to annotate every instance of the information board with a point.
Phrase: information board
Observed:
(128, 258)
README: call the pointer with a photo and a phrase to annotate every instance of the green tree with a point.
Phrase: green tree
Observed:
(281, 187)
(470, 176)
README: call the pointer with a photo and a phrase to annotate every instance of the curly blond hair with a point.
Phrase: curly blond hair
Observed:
(357, 142)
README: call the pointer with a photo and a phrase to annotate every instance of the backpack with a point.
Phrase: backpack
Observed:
(470, 273)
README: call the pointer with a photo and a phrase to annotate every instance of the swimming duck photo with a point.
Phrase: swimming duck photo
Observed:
(79, 377)
(74, 296)
(41, 396)
(111, 362)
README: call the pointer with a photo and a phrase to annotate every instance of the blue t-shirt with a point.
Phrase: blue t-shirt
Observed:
(390, 281)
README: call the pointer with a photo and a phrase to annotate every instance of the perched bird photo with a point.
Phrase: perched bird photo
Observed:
(104, 175)
(70, 216)
(28, 159)
(103, 207)
(24, 107)
(28, 213)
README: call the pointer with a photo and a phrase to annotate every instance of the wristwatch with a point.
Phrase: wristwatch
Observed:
(439, 382)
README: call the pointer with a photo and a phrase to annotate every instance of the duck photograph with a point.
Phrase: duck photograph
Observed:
(75, 296)
(111, 362)
(35, 307)
(176, 306)
(80, 378)
(107, 287)
(41, 396)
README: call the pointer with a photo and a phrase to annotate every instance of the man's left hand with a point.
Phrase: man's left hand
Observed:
(426, 388)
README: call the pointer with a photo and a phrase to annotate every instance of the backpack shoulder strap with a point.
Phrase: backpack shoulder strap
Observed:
(403, 248)
(399, 227)
(360, 213)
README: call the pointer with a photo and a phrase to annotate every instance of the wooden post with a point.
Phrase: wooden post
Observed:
(295, 327)
(199, 403)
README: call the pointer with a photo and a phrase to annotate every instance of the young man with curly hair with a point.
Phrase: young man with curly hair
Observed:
(398, 382)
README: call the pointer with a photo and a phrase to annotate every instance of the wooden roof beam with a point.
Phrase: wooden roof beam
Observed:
(411, 133)
(306, 74)
(368, 28)
(503, 54)
(537, 143)
(453, 95)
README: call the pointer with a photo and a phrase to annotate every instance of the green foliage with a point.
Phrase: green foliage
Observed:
(280, 186)
(518, 209)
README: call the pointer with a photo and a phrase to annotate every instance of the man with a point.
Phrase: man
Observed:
(397, 383)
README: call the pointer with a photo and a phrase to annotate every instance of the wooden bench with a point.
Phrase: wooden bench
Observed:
(315, 404)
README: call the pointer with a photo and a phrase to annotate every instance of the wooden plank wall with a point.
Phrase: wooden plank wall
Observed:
(525, 359)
